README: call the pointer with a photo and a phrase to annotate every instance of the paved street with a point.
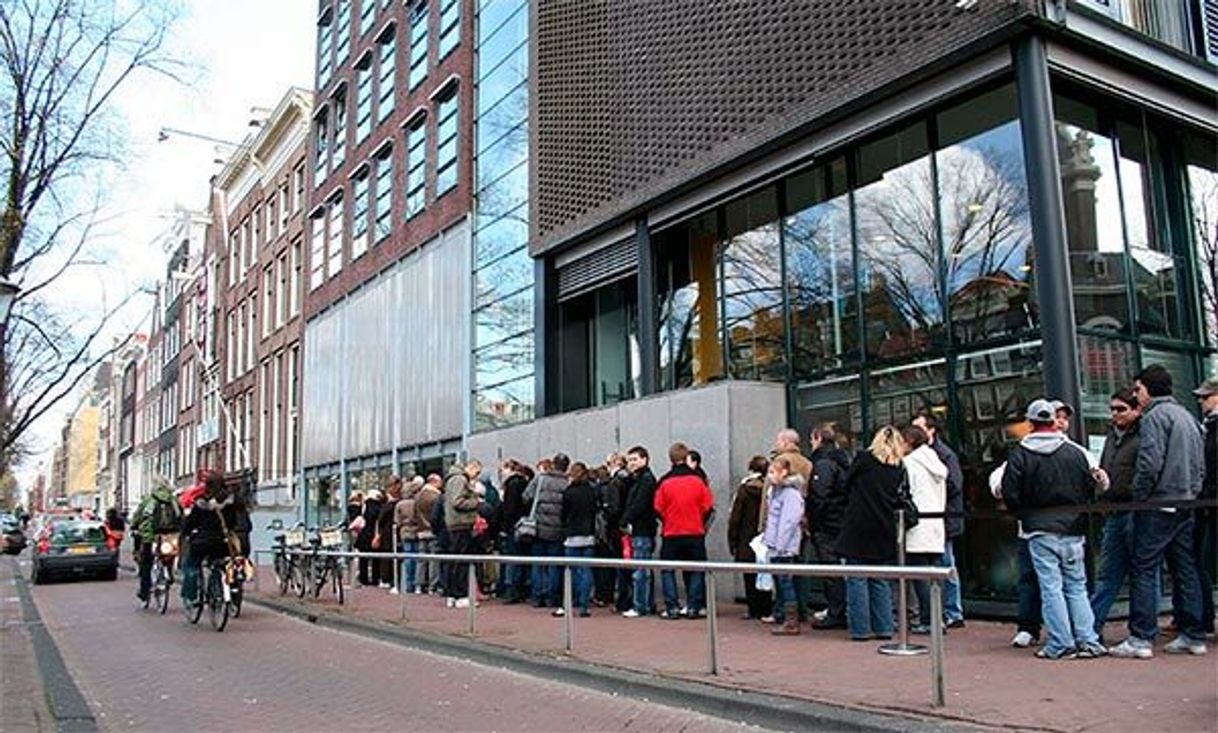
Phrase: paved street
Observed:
(142, 672)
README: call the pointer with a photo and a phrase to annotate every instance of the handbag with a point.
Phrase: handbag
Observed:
(907, 503)
(526, 527)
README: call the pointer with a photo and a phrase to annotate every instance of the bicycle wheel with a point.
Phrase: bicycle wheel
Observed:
(195, 612)
(217, 607)
(161, 587)
(300, 577)
(319, 574)
(336, 574)
(282, 575)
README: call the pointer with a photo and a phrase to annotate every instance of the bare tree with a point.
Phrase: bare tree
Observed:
(62, 64)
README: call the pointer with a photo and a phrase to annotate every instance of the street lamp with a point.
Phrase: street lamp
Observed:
(8, 294)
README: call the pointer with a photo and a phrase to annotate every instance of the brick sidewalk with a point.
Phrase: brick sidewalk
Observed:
(988, 682)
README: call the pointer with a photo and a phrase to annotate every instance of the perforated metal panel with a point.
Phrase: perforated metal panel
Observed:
(635, 97)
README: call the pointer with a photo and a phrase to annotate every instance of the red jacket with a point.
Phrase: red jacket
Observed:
(683, 501)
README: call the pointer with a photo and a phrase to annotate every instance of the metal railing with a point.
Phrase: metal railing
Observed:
(936, 576)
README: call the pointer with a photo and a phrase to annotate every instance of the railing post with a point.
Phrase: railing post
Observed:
(567, 636)
(402, 592)
(902, 648)
(257, 573)
(712, 625)
(938, 695)
(471, 594)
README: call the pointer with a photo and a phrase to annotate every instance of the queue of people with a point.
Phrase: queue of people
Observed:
(835, 506)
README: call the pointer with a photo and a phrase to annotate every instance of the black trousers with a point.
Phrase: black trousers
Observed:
(760, 602)
(456, 574)
(824, 551)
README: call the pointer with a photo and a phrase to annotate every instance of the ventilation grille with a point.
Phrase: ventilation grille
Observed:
(634, 97)
(1209, 27)
(598, 268)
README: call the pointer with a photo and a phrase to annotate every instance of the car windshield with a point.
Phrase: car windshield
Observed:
(70, 532)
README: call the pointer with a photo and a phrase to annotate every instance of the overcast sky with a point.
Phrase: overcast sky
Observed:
(240, 54)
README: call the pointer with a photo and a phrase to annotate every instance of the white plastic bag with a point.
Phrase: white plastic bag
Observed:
(765, 581)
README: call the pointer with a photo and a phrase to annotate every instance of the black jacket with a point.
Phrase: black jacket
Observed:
(1120, 460)
(954, 523)
(827, 496)
(640, 514)
(512, 507)
(745, 517)
(372, 514)
(1209, 487)
(579, 510)
(869, 527)
(1044, 471)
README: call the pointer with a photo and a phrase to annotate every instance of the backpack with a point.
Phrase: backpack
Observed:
(166, 517)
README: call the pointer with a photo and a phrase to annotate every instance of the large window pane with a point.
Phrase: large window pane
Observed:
(505, 361)
(1154, 267)
(503, 117)
(1202, 169)
(987, 233)
(504, 195)
(898, 245)
(505, 404)
(1093, 218)
(597, 355)
(897, 394)
(1107, 365)
(501, 236)
(503, 276)
(690, 350)
(509, 75)
(751, 259)
(820, 271)
(836, 401)
(508, 152)
(504, 318)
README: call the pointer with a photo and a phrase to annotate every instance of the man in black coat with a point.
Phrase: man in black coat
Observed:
(640, 522)
(826, 505)
(953, 523)
(1207, 519)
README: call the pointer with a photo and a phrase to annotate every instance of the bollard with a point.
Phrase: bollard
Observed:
(902, 648)
(938, 695)
(471, 594)
(712, 625)
(568, 640)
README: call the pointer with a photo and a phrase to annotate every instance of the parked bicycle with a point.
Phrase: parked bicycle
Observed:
(327, 569)
(164, 556)
(291, 568)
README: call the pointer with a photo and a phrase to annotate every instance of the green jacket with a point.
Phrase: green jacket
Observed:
(144, 513)
(460, 501)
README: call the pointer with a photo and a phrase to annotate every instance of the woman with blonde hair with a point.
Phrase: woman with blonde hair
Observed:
(869, 531)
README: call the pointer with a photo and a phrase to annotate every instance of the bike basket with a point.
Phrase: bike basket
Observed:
(294, 538)
(331, 537)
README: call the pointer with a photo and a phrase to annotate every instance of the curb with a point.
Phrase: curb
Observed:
(738, 705)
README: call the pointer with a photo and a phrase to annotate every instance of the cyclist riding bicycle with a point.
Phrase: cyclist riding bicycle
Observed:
(203, 535)
(157, 514)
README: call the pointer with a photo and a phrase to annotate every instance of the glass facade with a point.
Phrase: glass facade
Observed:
(503, 389)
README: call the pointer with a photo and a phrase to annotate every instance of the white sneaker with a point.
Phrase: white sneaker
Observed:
(394, 592)
(384, 585)
(630, 613)
(418, 590)
(1023, 640)
(463, 602)
(1184, 645)
(1132, 649)
(450, 602)
(558, 613)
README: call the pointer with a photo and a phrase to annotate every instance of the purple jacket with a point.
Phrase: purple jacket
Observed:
(783, 530)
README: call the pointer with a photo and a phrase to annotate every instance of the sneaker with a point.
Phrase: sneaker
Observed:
(558, 613)
(1043, 653)
(394, 592)
(450, 602)
(956, 623)
(1092, 650)
(631, 613)
(1132, 648)
(463, 602)
(1184, 645)
(684, 612)
(418, 590)
(668, 615)
(585, 613)
(1023, 640)
(919, 630)
(768, 619)
(700, 613)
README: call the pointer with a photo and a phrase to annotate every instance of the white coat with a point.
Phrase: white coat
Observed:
(928, 487)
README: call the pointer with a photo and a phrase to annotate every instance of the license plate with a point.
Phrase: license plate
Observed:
(80, 550)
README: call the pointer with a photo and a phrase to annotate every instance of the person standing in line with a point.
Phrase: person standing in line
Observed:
(406, 520)
(742, 527)
(1027, 618)
(579, 538)
(429, 497)
(1044, 471)
(461, 501)
(546, 489)
(953, 524)
(1118, 459)
(513, 578)
(608, 519)
(386, 531)
(783, 534)
(869, 532)
(826, 504)
(620, 482)
(1170, 467)
(924, 542)
(369, 567)
(786, 445)
(683, 502)
(1206, 522)
(639, 521)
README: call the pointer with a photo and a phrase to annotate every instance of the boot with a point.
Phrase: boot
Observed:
(790, 625)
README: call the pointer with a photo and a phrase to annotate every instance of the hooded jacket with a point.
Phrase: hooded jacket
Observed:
(460, 501)
(1171, 455)
(1046, 470)
(745, 517)
(546, 489)
(783, 531)
(928, 478)
(827, 497)
(1119, 459)
(145, 514)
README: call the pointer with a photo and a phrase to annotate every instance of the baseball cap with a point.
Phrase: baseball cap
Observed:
(1207, 388)
(1059, 405)
(1041, 411)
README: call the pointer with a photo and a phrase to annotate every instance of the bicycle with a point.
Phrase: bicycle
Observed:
(291, 571)
(328, 567)
(164, 556)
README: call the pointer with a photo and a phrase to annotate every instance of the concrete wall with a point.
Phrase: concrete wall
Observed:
(728, 422)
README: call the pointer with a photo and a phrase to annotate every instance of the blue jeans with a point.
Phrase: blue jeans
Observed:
(547, 579)
(684, 548)
(785, 584)
(513, 579)
(643, 582)
(953, 609)
(1158, 534)
(581, 578)
(1061, 569)
(868, 605)
(1116, 560)
(410, 568)
(192, 565)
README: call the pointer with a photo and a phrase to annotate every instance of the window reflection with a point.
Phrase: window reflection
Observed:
(898, 245)
(504, 362)
(503, 277)
(506, 404)
(832, 400)
(690, 350)
(1202, 170)
(503, 235)
(506, 317)
(820, 271)
(751, 258)
(598, 346)
(898, 394)
(1151, 262)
